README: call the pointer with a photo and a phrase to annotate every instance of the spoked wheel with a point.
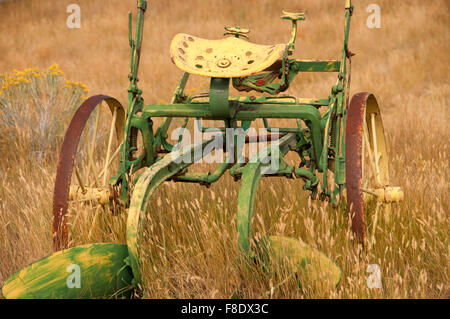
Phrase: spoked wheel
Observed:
(367, 169)
(89, 158)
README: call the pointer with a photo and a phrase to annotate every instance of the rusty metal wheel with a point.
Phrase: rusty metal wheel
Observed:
(367, 170)
(89, 157)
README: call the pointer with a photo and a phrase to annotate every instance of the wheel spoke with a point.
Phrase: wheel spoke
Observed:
(375, 147)
(113, 156)
(87, 158)
(108, 152)
(79, 179)
(369, 150)
(91, 151)
(95, 182)
(94, 135)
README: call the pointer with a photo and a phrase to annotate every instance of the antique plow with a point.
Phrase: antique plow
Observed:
(118, 158)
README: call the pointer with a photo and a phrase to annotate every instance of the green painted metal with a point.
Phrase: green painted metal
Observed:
(308, 265)
(154, 176)
(218, 96)
(318, 139)
(102, 270)
(315, 66)
(251, 175)
(218, 105)
(203, 178)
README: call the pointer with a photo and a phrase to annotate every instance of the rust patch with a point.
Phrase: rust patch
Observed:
(353, 163)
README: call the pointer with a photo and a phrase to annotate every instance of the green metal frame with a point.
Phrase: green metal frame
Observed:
(318, 139)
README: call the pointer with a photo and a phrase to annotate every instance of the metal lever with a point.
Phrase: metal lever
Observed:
(294, 17)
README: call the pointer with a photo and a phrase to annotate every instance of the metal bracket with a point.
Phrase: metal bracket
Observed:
(237, 32)
(142, 5)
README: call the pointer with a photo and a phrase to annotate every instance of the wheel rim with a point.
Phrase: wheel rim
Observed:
(91, 142)
(366, 159)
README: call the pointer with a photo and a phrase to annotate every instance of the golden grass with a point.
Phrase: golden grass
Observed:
(191, 238)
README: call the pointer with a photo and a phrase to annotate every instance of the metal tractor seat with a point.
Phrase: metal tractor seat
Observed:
(230, 57)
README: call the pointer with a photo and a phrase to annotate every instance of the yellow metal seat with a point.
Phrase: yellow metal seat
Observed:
(226, 58)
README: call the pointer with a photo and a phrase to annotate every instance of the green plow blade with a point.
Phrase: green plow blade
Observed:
(310, 266)
(88, 271)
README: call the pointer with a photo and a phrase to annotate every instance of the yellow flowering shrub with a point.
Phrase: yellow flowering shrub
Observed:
(35, 108)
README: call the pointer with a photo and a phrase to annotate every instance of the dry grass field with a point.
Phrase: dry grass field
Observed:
(192, 237)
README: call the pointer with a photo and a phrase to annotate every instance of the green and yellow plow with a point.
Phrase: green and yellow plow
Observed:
(113, 161)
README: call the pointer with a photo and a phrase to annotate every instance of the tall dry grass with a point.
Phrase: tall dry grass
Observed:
(191, 238)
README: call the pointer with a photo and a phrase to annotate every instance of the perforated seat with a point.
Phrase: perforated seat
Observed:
(226, 58)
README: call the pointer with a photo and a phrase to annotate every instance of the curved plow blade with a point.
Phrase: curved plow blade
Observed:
(88, 271)
(146, 185)
(251, 176)
(309, 265)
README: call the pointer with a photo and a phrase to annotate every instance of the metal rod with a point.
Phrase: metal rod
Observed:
(369, 150)
(375, 147)
(79, 179)
(116, 152)
(108, 152)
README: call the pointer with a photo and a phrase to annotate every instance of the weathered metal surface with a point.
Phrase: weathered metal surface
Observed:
(102, 274)
(385, 194)
(293, 16)
(66, 161)
(376, 134)
(251, 175)
(93, 194)
(310, 266)
(247, 111)
(225, 58)
(154, 176)
(331, 139)
(247, 192)
(315, 66)
(237, 32)
(353, 167)
(366, 166)
(218, 98)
